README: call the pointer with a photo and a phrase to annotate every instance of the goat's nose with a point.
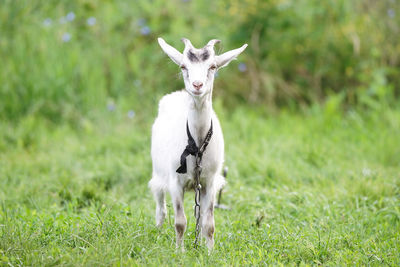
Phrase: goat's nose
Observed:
(197, 85)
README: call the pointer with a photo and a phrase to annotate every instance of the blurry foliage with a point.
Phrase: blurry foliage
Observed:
(62, 59)
(303, 51)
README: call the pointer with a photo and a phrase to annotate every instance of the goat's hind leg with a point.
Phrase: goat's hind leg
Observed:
(159, 197)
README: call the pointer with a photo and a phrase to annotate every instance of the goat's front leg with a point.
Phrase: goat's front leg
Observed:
(207, 215)
(180, 218)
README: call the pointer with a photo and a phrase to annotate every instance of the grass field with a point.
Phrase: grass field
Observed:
(316, 188)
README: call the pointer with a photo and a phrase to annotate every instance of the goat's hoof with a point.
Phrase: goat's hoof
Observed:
(180, 248)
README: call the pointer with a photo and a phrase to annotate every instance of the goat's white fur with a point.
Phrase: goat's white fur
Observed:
(169, 139)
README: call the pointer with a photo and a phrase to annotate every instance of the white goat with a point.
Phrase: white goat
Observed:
(191, 107)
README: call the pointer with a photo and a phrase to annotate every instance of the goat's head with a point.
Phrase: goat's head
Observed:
(199, 65)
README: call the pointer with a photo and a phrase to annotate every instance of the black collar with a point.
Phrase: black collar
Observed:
(193, 149)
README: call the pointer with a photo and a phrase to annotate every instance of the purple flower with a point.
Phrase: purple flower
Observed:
(391, 13)
(145, 30)
(111, 106)
(47, 22)
(91, 21)
(70, 16)
(66, 37)
(131, 114)
(242, 67)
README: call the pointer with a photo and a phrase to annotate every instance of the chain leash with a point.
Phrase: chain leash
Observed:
(193, 149)
(197, 188)
(197, 185)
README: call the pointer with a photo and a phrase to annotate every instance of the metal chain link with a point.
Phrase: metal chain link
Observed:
(197, 188)
(197, 185)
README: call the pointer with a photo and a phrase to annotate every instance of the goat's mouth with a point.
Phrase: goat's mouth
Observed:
(197, 92)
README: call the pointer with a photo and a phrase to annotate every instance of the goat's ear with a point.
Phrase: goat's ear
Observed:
(224, 59)
(174, 54)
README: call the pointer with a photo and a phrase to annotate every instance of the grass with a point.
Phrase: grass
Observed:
(310, 189)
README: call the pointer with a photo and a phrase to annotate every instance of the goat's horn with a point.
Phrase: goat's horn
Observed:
(186, 42)
(213, 42)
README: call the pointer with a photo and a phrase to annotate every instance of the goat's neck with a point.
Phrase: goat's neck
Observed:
(199, 118)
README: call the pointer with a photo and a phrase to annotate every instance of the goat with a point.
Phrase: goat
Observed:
(189, 109)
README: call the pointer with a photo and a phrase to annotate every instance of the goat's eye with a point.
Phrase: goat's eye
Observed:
(213, 67)
(183, 67)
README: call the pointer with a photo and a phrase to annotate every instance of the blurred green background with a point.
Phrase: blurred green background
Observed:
(62, 60)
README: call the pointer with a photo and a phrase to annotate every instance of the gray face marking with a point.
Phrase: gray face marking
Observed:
(203, 55)
(192, 57)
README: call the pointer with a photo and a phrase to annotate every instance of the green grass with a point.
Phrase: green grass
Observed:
(304, 189)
